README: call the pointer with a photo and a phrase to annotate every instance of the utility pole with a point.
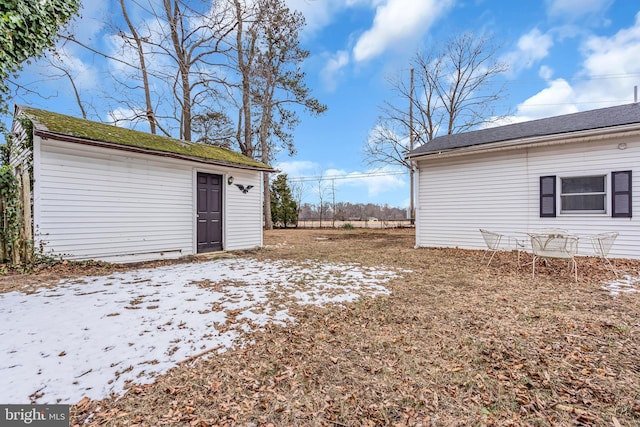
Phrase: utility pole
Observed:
(411, 203)
(333, 203)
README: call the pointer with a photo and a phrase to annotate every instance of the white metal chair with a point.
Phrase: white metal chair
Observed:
(549, 231)
(518, 243)
(492, 240)
(602, 244)
(555, 245)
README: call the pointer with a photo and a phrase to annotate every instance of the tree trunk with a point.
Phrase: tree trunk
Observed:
(175, 22)
(246, 146)
(268, 221)
(265, 149)
(143, 69)
(186, 104)
(3, 231)
(27, 243)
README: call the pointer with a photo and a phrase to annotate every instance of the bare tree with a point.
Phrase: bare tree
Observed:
(213, 128)
(196, 39)
(245, 46)
(321, 192)
(456, 90)
(191, 69)
(174, 55)
(278, 84)
(297, 191)
(139, 45)
(54, 60)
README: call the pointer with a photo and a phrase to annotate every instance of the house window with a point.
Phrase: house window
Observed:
(583, 194)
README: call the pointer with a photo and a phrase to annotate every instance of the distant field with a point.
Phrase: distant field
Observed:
(356, 224)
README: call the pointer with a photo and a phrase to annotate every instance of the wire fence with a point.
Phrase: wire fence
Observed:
(377, 223)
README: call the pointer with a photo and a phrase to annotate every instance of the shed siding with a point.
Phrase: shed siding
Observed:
(19, 157)
(244, 212)
(500, 191)
(100, 203)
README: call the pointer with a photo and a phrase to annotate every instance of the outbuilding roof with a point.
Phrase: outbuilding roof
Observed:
(68, 128)
(611, 117)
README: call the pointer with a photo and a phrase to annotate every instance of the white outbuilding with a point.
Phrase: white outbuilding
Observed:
(106, 193)
(576, 172)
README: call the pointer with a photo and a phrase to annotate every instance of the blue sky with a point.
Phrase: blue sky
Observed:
(564, 56)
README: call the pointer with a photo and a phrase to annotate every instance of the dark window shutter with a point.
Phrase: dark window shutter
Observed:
(621, 194)
(547, 196)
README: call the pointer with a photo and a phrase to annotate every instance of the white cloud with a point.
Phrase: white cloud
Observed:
(615, 55)
(297, 168)
(125, 117)
(574, 10)
(531, 48)
(545, 72)
(397, 22)
(372, 182)
(608, 74)
(556, 99)
(535, 45)
(320, 13)
(332, 69)
(91, 21)
(85, 76)
(369, 186)
(385, 183)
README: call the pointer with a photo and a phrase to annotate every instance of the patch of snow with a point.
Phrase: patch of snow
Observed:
(95, 336)
(624, 285)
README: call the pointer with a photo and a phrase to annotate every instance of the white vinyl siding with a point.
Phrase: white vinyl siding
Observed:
(19, 158)
(244, 212)
(106, 204)
(501, 191)
(458, 196)
(101, 204)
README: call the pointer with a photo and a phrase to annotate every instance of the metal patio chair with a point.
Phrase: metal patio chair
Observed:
(602, 244)
(555, 245)
(492, 240)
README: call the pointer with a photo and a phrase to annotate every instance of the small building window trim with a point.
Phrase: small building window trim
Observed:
(603, 194)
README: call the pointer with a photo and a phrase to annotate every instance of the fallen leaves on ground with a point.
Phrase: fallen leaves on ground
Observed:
(456, 343)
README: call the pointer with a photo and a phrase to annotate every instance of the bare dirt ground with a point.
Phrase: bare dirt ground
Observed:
(455, 344)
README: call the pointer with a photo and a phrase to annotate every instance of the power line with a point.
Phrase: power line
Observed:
(343, 177)
(618, 101)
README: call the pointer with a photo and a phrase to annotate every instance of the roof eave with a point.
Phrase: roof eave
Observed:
(43, 133)
(554, 139)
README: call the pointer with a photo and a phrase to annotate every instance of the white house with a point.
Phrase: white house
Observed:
(576, 172)
(107, 193)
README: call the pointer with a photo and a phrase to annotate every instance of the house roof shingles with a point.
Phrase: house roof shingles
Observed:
(627, 114)
(59, 124)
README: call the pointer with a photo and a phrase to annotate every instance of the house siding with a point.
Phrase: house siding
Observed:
(500, 191)
(106, 204)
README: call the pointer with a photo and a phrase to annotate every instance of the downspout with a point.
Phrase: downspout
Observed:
(417, 201)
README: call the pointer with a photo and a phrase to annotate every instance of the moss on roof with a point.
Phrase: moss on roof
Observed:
(85, 129)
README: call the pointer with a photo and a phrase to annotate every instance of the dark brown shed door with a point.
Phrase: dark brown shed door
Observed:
(209, 220)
